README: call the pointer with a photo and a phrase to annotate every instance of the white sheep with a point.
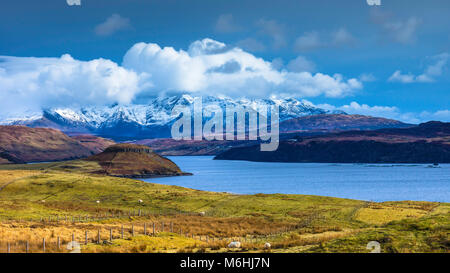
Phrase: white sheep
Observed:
(202, 213)
(234, 245)
(140, 201)
(98, 202)
(267, 245)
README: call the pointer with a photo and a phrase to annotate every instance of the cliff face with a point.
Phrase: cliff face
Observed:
(426, 143)
(130, 160)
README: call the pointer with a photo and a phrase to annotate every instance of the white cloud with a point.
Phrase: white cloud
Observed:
(403, 78)
(208, 67)
(113, 24)
(301, 64)
(199, 71)
(73, 2)
(225, 24)
(431, 72)
(390, 112)
(34, 83)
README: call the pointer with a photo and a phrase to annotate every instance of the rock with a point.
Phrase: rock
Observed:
(234, 245)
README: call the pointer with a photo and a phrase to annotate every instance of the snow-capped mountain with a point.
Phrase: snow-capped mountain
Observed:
(152, 120)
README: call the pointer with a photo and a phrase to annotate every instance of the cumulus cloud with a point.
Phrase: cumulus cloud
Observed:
(207, 67)
(36, 83)
(199, 71)
(225, 24)
(113, 24)
(390, 112)
(433, 70)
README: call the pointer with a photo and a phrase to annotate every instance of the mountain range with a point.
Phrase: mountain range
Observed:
(151, 120)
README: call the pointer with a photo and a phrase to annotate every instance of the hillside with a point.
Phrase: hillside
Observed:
(19, 144)
(130, 160)
(95, 144)
(426, 143)
(339, 122)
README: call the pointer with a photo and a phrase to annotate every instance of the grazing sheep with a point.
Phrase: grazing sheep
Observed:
(202, 213)
(98, 202)
(234, 245)
(267, 245)
(140, 201)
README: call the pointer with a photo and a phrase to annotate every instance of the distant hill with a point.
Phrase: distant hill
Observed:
(19, 144)
(310, 125)
(131, 160)
(339, 122)
(425, 143)
(94, 143)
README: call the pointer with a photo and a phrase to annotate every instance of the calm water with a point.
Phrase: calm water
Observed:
(376, 182)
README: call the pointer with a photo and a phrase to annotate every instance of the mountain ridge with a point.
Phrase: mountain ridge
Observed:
(153, 120)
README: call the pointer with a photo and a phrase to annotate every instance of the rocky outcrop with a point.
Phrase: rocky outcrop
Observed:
(137, 161)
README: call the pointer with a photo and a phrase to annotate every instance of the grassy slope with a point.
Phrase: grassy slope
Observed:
(320, 223)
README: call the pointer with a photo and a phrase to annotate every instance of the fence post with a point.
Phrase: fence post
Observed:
(110, 235)
(139, 212)
(43, 244)
(9, 248)
(98, 237)
(145, 228)
(171, 227)
(58, 243)
(132, 230)
(73, 237)
(27, 247)
(86, 237)
(122, 231)
(162, 226)
(153, 229)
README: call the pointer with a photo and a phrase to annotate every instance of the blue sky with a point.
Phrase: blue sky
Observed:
(397, 52)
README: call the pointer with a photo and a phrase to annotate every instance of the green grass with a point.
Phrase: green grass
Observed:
(316, 224)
